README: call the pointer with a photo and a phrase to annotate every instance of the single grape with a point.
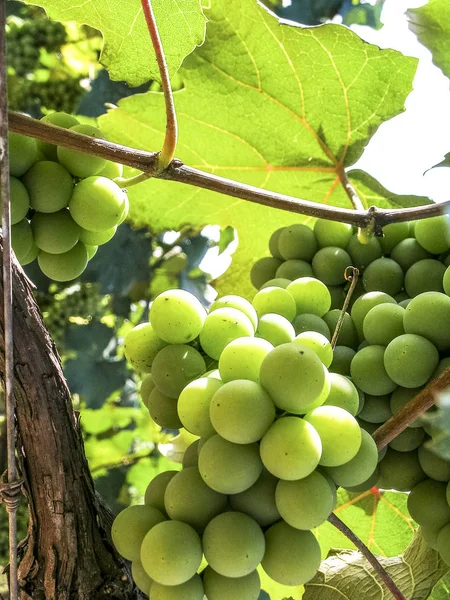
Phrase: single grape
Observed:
(218, 587)
(112, 170)
(291, 448)
(190, 456)
(177, 316)
(347, 333)
(54, 232)
(189, 590)
(424, 276)
(433, 465)
(430, 536)
(309, 322)
(408, 440)
(294, 268)
(305, 503)
(19, 200)
(376, 409)
(221, 327)
(402, 396)
(362, 306)
(292, 556)
(49, 186)
(318, 343)
(358, 469)
(410, 360)
(400, 471)
(443, 543)
(32, 255)
(233, 301)
(131, 526)
(428, 315)
(369, 373)
(147, 386)
(78, 163)
(337, 293)
(154, 493)
(371, 482)
(329, 265)
(277, 282)
(141, 345)
(310, 295)
(163, 410)
(263, 270)
(363, 254)
(258, 501)
(241, 411)
(275, 329)
(60, 119)
(194, 404)
(383, 275)
(96, 238)
(171, 552)
(342, 359)
(407, 252)
(297, 241)
(433, 234)
(22, 153)
(140, 577)
(332, 233)
(175, 366)
(22, 240)
(273, 243)
(383, 323)
(97, 203)
(229, 468)
(427, 504)
(242, 358)
(394, 233)
(233, 544)
(66, 266)
(342, 394)
(274, 300)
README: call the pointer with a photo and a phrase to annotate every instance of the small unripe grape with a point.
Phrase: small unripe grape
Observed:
(281, 282)
(141, 345)
(258, 501)
(433, 465)
(394, 233)
(428, 315)
(347, 333)
(297, 241)
(177, 316)
(54, 232)
(362, 306)
(318, 343)
(443, 543)
(329, 265)
(363, 254)
(163, 410)
(410, 360)
(407, 252)
(263, 270)
(332, 233)
(140, 577)
(342, 394)
(383, 275)
(369, 372)
(400, 470)
(383, 323)
(49, 186)
(408, 440)
(32, 255)
(175, 366)
(218, 587)
(273, 243)
(424, 276)
(242, 358)
(190, 456)
(309, 322)
(96, 238)
(233, 301)
(97, 203)
(61, 119)
(112, 170)
(376, 409)
(342, 359)
(131, 526)
(275, 329)
(221, 327)
(78, 163)
(358, 469)
(20, 202)
(22, 153)
(66, 266)
(293, 269)
(433, 234)
(194, 404)
(189, 590)
(310, 295)
(154, 494)
(274, 300)
(427, 504)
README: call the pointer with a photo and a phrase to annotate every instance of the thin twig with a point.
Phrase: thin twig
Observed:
(371, 558)
(170, 139)
(351, 274)
(349, 189)
(177, 171)
(413, 409)
(11, 502)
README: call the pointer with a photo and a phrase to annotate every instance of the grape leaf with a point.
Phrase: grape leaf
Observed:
(431, 24)
(272, 105)
(348, 575)
(127, 51)
(445, 162)
(441, 590)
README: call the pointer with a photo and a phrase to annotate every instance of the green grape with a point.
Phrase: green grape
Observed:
(292, 556)
(112, 170)
(443, 543)
(242, 358)
(273, 243)
(446, 281)
(171, 552)
(424, 276)
(141, 345)
(318, 343)
(131, 526)
(394, 233)
(309, 322)
(430, 536)
(124, 215)
(175, 366)
(241, 411)
(190, 456)
(294, 377)
(233, 301)
(22, 153)
(91, 251)
(402, 396)
(32, 255)
(408, 252)
(49, 186)
(81, 164)
(140, 577)
(96, 238)
(400, 297)
(147, 386)
(54, 232)
(189, 590)
(358, 469)
(21, 239)
(376, 409)
(342, 394)
(370, 483)
(60, 119)
(433, 234)
(339, 432)
(163, 410)
(263, 270)
(258, 501)
(428, 315)
(154, 493)
(329, 265)
(19, 200)
(408, 440)
(347, 333)
(229, 468)
(177, 316)
(404, 303)
(400, 471)
(233, 544)
(221, 327)
(433, 465)
(342, 359)
(189, 499)
(369, 373)
(97, 203)
(294, 268)
(274, 300)
(305, 503)
(194, 403)
(218, 587)
(383, 323)
(297, 241)
(363, 254)
(291, 448)
(337, 293)
(410, 360)
(332, 233)
(310, 295)
(275, 329)
(277, 282)
(383, 275)
(442, 366)
(427, 504)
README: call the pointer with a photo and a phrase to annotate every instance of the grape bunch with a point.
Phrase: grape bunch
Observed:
(64, 203)
(54, 94)
(275, 434)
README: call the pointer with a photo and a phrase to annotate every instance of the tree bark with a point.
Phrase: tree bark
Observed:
(68, 553)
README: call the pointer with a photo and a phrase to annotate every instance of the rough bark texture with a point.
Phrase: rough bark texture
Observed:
(68, 554)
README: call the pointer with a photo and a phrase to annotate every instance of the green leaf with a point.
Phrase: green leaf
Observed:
(227, 235)
(140, 474)
(348, 575)
(444, 163)
(270, 105)
(431, 24)
(127, 52)
(277, 591)
(441, 590)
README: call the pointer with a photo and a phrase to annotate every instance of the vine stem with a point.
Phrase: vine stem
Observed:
(413, 409)
(349, 189)
(170, 140)
(351, 274)
(177, 171)
(371, 558)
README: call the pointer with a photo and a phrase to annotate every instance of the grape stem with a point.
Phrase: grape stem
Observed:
(413, 409)
(371, 558)
(349, 189)
(170, 141)
(351, 274)
(179, 172)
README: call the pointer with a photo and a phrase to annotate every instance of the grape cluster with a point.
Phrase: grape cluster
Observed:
(64, 203)
(53, 94)
(276, 433)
